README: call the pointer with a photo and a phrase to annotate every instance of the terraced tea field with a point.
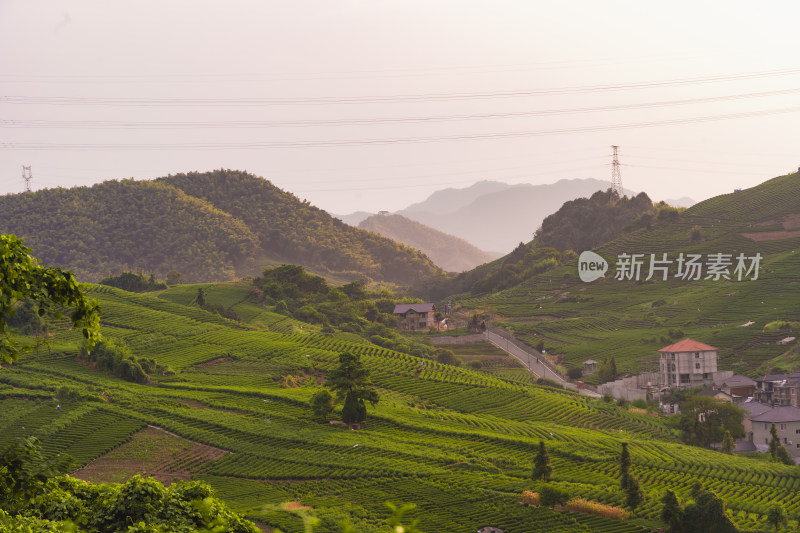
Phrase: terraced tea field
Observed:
(457, 442)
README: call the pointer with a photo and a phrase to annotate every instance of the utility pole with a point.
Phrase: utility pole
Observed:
(27, 176)
(616, 177)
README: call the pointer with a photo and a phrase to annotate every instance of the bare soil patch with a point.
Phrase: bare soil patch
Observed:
(791, 226)
(151, 451)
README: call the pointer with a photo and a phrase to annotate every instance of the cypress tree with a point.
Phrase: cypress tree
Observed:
(624, 466)
(542, 469)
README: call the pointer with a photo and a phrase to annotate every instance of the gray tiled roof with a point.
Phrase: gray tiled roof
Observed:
(784, 413)
(400, 309)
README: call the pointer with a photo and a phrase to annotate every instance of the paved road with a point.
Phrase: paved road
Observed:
(533, 362)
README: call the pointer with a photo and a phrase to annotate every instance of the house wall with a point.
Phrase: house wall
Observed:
(695, 365)
(788, 432)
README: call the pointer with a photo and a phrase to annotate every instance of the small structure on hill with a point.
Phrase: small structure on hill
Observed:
(415, 316)
(740, 387)
(589, 367)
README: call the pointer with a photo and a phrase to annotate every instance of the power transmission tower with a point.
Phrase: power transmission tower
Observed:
(616, 177)
(27, 175)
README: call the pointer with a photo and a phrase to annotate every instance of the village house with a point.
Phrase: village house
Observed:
(787, 422)
(415, 316)
(739, 387)
(687, 364)
(778, 389)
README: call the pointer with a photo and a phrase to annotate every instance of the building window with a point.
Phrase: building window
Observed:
(765, 426)
(673, 356)
(783, 426)
(697, 366)
(705, 375)
(684, 378)
(785, 440)
(697, 355)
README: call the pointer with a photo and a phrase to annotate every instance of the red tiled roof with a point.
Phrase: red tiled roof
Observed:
(687, 345)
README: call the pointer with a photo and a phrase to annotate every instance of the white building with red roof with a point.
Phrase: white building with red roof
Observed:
(688, 363)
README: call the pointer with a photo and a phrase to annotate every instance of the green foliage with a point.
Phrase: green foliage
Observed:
(575, 372)
(585, 223)
(728, 444)
(542, 469)
(704, 420)
(776, 516)
(446, 357)
(634, 495)
(624, 466)
(118, 359)
(133, 282)
(782, 456)
(298, 232)
(24, 472)
(322, 403)
(608, 370)
(350, 380)
(50, 290)
(707, 515)
(672, 512)
(552, 495)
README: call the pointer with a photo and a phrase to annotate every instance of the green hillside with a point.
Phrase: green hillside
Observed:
(446, 251)
(296, 232)
(631, 320)
(457, 442)
(210, 227)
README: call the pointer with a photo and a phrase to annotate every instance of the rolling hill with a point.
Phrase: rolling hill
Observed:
(458, 443)
(631, 319)
(209, 226)
(450, 253)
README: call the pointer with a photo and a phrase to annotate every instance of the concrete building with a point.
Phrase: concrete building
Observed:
(787, 422)
(687, 364)
(740, 387)
(415, 316)
(778, 389)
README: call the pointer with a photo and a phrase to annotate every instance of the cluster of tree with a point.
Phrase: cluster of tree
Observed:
(25, 319)
(133, 282)
(129, 225)
(550, 495)
(706, 514)
(351, 384)
(608, 370)
(705, 419)
(295, 231)
(116, 358)
(585, 223)
(202, 302)
(292, 291)
(49, 289)
(525, 261)
(37, 497)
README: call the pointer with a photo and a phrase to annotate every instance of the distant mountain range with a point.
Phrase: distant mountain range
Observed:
(446, 251)
(496, 216)
(212, 226)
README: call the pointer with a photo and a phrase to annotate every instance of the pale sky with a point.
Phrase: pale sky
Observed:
(375, 104)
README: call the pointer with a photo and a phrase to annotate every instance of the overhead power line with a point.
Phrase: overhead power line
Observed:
(243, 124)
(369, 99)
(384, 141)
